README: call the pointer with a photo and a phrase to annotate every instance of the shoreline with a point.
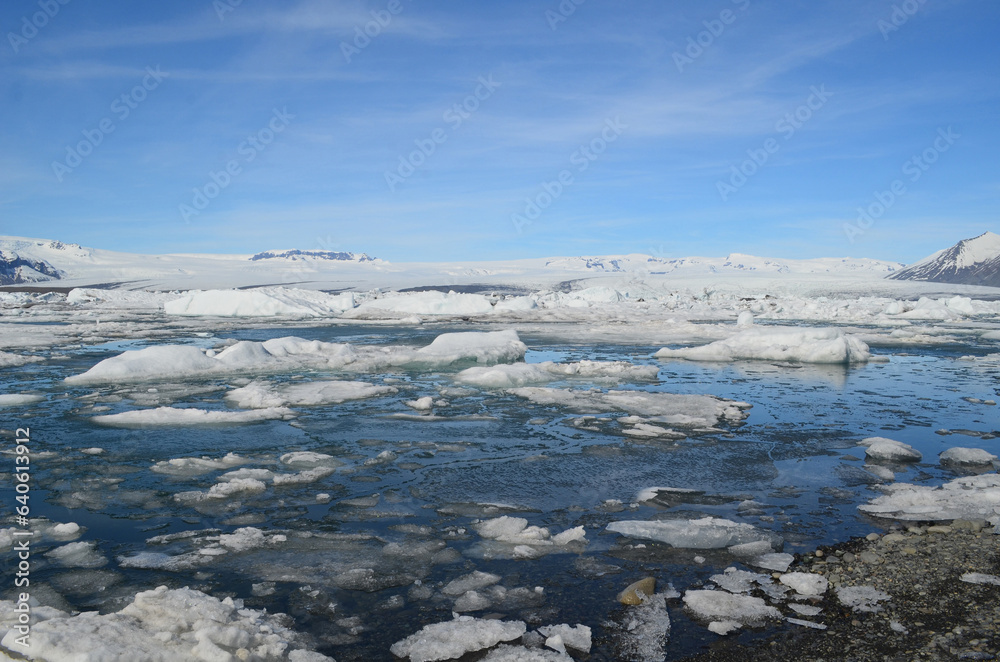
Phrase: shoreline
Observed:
(932, 614)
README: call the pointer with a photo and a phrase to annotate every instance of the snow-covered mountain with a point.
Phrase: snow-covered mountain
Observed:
(732, 263)
(295, 254)
(973, 261)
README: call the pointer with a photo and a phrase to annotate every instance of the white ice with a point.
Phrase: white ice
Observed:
(264, 395)
(890, 450)
(968, 456)
(725, 606)
(805, 583)
(260, 302)
(521, 374)
(969, 497)
(862, 598)
(19, 399)
(452, 639)
(178, 417)
(980, 578)
(180, 625)
(804, 345)
(704, 533)
(692, 411)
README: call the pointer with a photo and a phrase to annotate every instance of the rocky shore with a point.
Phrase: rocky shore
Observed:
(930, 592)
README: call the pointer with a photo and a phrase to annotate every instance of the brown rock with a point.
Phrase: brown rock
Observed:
(631, 595)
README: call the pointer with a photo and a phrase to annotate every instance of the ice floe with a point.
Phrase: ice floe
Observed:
(704, 533)
(260, 302)
(725, 606)
(967, 456)
(187, 416)
(179, 625)
(264, 395)
(452, 639)
(196, 466)
(890, 450)
(171, 362)
(969, 497)
(19, 399)
(512, 537)
(521, 374)
(805, 345)
(691, 411)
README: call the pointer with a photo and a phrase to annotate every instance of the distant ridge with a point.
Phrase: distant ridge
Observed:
(974, 261)
(296, 254)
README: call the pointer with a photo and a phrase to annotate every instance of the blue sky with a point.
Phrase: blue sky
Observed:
(641, 108)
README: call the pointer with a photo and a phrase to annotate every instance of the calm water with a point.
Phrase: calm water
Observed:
(796, 454)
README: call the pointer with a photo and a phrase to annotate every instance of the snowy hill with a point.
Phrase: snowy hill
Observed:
(973, 261)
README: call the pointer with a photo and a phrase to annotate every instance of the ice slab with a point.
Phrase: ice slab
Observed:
(19, 399)
(180, 625)
(691, 411)
(725, 606)
(288, 354)
(260, 302)
(890, 450)
(803, 345)
(521, 374)
(805, 583)
(452, 639)
(188, 416)
(704, 533)
(862, 598)
(970, 497)
(967, 456)
(264, 395)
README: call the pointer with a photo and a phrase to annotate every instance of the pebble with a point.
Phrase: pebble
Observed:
(939, 529)
(872, 537)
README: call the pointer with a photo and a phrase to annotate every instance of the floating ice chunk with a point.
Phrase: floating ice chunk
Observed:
(515, 304)
(452, 639)
(175, 417)
(739, 581)
(643, 630)
(967, 456)
(196, 466)
(862, 598)
(8, 360)
(507, 653)
(576, 637)
(303, 477)
(471, 601)
(745, 320)
(521, 374)
(776, 561)
(805, 583)
(424, 303)
(692, 411)
(980, 578)
(804, 345)
(260, 302)
(421, 404)
(704, 533)
(512, 530)
(167, 625)
(890, 450)
(259, 474)
(77, 555)
(263, 395)
(970, 497)
(309, 460)
(725, 606)
(247, 538)
(577, 533)
(19, 399)
(807, 624)
(92, 451)
(724, 627)
(470, 582)
(158, 362)
(487, 347)
(805, 610)
(885, 473)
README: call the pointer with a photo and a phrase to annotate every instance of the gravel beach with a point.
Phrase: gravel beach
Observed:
(933, 610)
